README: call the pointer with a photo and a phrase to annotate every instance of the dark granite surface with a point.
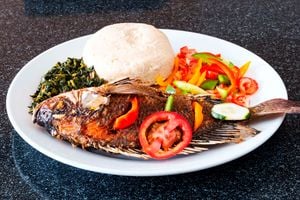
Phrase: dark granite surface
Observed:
(270, 29)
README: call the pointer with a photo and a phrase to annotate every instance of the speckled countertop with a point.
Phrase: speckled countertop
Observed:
(270, 29)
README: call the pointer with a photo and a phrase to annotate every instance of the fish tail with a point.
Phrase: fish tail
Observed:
(275, 106)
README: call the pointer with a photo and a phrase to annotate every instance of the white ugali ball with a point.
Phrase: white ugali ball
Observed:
(131, 50)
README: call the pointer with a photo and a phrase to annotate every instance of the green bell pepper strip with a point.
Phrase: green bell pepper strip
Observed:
(223, 79)
(209, 84)
(169, 103)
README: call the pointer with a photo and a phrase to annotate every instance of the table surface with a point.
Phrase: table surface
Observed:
(270, 29)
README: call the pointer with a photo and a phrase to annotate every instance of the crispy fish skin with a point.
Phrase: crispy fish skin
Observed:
(85, 117)
(82, 119)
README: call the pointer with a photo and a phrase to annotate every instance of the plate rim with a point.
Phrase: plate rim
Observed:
(98, 169)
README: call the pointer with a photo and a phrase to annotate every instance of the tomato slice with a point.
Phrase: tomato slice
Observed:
(248, 85)
(164, 134)
(239, 98)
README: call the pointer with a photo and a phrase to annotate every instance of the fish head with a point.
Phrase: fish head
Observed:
(68, 104)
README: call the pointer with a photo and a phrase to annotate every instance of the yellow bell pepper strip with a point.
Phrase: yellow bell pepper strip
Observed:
(228, 73)
(198, 115)
(196, 75)
(128, 118)
(174, 71)
(244, 69)
(201, 78)
(159, 79)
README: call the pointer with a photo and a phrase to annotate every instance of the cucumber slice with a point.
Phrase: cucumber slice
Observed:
(230, 111)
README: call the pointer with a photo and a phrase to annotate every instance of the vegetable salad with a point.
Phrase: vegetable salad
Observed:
(204, 72)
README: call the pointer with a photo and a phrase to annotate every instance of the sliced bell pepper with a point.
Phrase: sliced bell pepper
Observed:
(201, 78)
(170, 90)
(205, 56)
(211, 74)
(209, 84)
(196, 74)
(244, 68)
(235, 71)
(128, 118)
(228, 72)
(169, 103)
(198, 115)
(212, 67)
(160, 80)
(223, 79)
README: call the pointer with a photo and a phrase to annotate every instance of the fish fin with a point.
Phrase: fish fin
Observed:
(138, 153)
(275, 106)
(225, 133)
(132, 86)
(228, 133)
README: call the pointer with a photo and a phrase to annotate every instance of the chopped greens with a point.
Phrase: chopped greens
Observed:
(70, 75)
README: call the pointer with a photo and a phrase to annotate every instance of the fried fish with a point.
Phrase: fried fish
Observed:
(86, 117)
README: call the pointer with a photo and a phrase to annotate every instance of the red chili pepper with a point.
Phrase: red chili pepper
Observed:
(164, 134)
(128, 118)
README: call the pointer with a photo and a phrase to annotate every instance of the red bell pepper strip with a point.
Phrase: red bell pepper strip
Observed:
(128, 118)
(212, 67)
(211, 75)
(228, 72)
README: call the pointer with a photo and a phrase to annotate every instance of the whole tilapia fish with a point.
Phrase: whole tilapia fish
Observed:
(85, 117)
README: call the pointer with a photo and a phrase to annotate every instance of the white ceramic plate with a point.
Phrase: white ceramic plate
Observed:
(26, 81)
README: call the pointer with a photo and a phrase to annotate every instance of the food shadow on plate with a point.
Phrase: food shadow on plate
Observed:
(68, 7)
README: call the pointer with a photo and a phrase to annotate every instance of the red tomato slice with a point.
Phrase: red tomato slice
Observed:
(248, 85)
(239, 98)
(164, 134)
